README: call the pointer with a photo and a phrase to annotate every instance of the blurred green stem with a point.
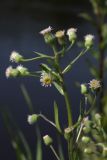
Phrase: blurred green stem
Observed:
(53, 150)
(67, 101)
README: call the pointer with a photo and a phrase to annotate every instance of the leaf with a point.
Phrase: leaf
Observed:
(61, 155)
(39, 146)
(27, 98)
(59, 88)
(40, 54)
(56, 117)
(87, 17)
(45, 67)
(18, 140)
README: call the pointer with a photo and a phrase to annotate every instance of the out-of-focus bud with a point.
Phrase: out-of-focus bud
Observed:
(67, 133)
(88, 151)
(60, 35)
(48, 36)
(11, 72)
(84, 89)
(15, 57)
(32, 118)
(47, 140)
(89, 41)
(86, 130)
(97, 118)
(72, 34)
(104, 153)
(85, 139)
(23, 71)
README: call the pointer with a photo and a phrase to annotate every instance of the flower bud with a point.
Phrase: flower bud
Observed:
(97, 118)
(67, 133)
(15, 57)
(104, 153)
(88, 151)
(47, 140)
(84, 89)
(23, 71)
(72, 34)
(11, 72)
(89, 41)
(61, 37)
(86, 130)
(48, 36)
(85, 139)
(32, 118)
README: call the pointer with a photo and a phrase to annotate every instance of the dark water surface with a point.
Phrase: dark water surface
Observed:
(20, 31)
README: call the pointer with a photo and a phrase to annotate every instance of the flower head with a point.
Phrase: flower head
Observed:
(15, 57)
(89, 40)
(11, 72)
(22, 70)
(71, 32)
(32, 118)
(46, 79)
(94, 84)
(47, 140)
(60, 34)
(8, 71)
(45, 31)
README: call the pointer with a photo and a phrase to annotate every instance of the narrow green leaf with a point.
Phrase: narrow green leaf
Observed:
(45, 67)
(59, 88)
(18, 140)
(38, 146)
(56, 117)
(40, 54)
(27, 98)
(87, 17)
(61, 154)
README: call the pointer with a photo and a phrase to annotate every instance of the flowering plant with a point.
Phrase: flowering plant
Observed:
(86, 137)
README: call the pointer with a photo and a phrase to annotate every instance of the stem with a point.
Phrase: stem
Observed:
(68, 106)
(101, 67)
(53, 150)
(47, 120)
(76, 58)
(36, 58)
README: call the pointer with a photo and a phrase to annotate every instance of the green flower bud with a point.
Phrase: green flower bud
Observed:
(86, 130)
(32, 118)
(67, 133)
(49, 38)
(88, 151)
(23, 71)
(60, 35)
(11, 72)
(47, 140)
(97, 118)
(15, 57)
(89, 41)
(86, 139)
(72, 34)
(104, 153)
(84, 89)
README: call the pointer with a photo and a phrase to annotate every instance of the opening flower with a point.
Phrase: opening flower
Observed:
(89, 40)
(59, 34)
(8, 71)
(15, 57)
(46, 79)
(45, 31)
(71, 32)
(22, 70)
(11, 72)
(94, 84)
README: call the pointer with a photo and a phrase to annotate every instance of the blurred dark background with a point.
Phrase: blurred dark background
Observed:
(20, 23)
